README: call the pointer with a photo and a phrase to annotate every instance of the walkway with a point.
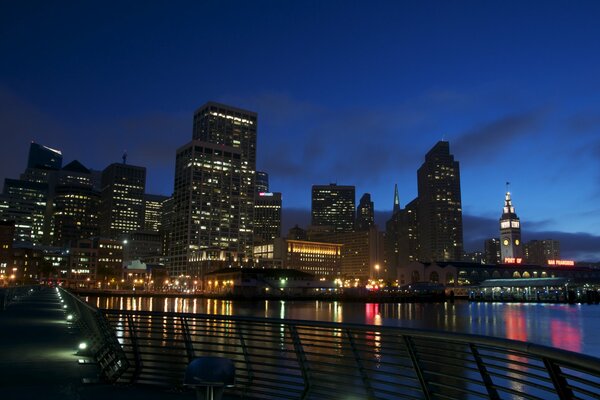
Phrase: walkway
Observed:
(38, 360)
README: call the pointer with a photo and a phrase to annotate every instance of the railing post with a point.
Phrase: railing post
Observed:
(301, 360)
(136, 350)
(188, 339)
(485, 376)
(361, 369)
(245, 352)
(559, 382)
(415, 362)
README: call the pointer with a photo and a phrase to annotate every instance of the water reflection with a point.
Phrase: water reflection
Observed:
(571, 327)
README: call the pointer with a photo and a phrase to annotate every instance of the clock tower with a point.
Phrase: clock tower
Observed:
(510, 234)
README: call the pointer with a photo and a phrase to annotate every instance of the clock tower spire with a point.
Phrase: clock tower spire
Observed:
(510, 233)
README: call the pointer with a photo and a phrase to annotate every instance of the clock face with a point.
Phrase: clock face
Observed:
(517, 242)
(505, 242)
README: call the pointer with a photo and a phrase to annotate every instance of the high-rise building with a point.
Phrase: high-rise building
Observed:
(73, 205)
(401, 240)
(491, 252)
(122, 199)
(333, 207)
(510, 233)
(153, 212)
(7, 233)
(213, 197)
(439, 210)
(538, 252)
(25, 203)
(365, 213)
(262, 182)
(42, 161)
(267, 217)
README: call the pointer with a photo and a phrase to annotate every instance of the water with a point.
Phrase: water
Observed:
(570, 327)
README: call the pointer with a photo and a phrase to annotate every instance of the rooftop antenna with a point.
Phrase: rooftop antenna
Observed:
(125, 157)
(507, 187)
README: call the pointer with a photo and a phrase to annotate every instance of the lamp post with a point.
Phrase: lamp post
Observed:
(377, 271)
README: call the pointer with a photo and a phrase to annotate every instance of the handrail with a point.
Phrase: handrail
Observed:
(278, 358)
(12, 294)
(103, 344)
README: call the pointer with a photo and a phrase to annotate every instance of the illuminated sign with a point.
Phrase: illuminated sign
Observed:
(265, 194)
(561, 263)
(513, 260)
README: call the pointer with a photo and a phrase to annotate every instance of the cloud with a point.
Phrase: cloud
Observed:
(584, 123)
(484, 141)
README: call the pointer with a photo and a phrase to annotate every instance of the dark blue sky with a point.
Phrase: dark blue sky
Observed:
(347, 92)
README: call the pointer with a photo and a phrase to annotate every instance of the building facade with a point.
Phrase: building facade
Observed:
(333, 207)
(439, 206)
(365, 213)
(153, 205)
(511, 247)
(122, 199)
(540, 251)
(267, 217)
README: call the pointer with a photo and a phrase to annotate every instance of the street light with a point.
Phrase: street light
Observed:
(377, 271)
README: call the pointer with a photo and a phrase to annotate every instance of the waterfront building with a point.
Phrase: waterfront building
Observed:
(492, 254)
(362, 253)
(24, 203)
(322, 259)
(73, 205)
(213, 197)
(540, 251)
(333, 207)
(510, 233)
(262, 182)
(365, 213)
(439, 206)
(267, 217)
(122, 199)
(153, 205)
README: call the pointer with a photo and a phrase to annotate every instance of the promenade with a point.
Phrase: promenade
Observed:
(38, 357)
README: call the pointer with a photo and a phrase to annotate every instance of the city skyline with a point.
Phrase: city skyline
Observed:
(512, 110)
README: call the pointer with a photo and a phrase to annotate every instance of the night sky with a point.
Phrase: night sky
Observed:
(346, 92)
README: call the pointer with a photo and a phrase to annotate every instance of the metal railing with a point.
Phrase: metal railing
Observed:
(12, 294)
(290, 359)
(102, 345)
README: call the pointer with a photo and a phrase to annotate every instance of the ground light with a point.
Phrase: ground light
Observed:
(82, 346)
(70, 317)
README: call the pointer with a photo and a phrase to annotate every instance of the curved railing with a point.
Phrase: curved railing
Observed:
(290, 359)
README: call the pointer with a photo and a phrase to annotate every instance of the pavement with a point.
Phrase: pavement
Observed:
(38, 357)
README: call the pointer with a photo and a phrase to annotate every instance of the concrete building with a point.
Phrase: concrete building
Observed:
(25, 203)
(333, 207)
(141, 245)
(439, 206)
(122, 199)
(153, 206)
(96, 262)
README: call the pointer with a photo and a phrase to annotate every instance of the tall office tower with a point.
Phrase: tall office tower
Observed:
(439, 211)
(411, 221)
(491, 251)
(365, 213)
(401, 241)
(510, 232)
(166, 225)
(73, 205)
(538, 252)
(262, 182)
(213, 197)
(333, 207)
(267, 217)
(7, 234)
(122, 199)
(25, 203)
(41, 162)
(153, 211)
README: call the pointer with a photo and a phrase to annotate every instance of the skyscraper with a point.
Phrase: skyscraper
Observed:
(491, 251)
(262, 182)
(213, 197)
(153, 211)
(43, 157)
(439, 210)
(510, 232)
(267, 217)
(122, 199)
(73, 205)
(540, 251)
(25, 203)
(365, 213)
(333, 207)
